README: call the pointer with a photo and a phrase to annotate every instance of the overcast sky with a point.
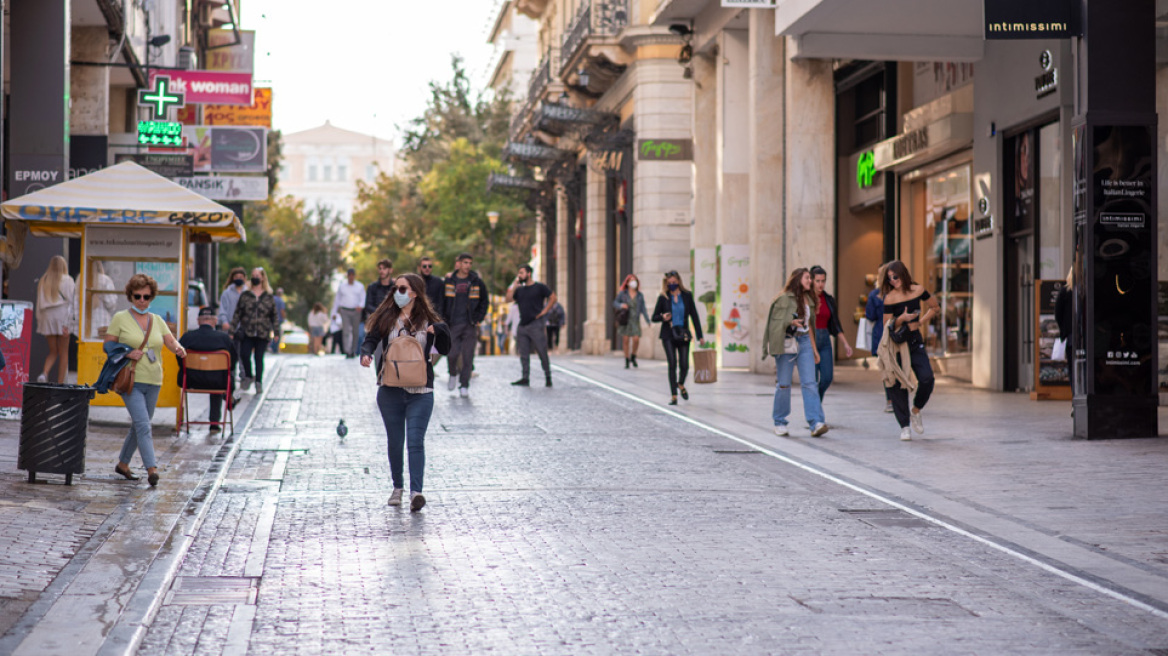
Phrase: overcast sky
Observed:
(362, 64)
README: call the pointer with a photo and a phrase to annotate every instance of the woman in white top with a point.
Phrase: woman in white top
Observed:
(318, 324)
(54, 314)
(104, 305)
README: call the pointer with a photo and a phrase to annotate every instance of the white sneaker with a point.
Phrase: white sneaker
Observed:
(818, 430)
(42, 378)
(917, 422)
(452, 383)
(906, 434)
(781, 431)
(463, 392)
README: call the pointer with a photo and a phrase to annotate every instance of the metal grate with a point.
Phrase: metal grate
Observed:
(212, 591)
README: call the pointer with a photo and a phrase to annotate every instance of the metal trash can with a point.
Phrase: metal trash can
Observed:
(53, 425)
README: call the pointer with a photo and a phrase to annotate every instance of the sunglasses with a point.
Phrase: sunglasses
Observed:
(427, 266)
(892, 277)
(671, 274)
(142, 297)
(403, 289)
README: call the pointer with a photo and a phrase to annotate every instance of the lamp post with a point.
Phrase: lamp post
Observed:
(493, 219)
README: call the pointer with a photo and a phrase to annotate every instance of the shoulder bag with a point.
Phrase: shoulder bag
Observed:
(622, 314)
(124, 381)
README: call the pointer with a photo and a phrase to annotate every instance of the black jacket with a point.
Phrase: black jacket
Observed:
(665, 305)
(477, 303)
(375, 293)
(1064, 312)
(435, 291)
(206, 338)
(833, 323)
(440, 340)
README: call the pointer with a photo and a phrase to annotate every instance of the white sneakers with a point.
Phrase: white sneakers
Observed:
(917, 422)
(781, 431)
(906, 433)
(463, 392)
(818, 430)
(452, 383)
(42, 378)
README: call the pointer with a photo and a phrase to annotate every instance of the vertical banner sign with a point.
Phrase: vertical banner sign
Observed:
(734, 329)
(15, 342)
(705, 291)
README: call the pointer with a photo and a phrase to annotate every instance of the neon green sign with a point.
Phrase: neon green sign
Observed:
(160, 99)
(160, 133)
(866, 169)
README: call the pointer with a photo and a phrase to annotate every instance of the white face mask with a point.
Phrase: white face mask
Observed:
(632, 284)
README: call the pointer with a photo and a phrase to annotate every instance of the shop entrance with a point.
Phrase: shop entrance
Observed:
(1031, 170)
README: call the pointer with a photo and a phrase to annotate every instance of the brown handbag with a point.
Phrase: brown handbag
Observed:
(124, 381)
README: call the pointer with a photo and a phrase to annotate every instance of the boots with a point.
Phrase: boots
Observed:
(634, 360)
(626, 363)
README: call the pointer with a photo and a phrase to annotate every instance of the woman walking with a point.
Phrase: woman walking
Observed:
(790, 339)
(133, 327)
(874, 313)
(255, 319)
(406, 410)
(631, 302)
(827, 328)
(318, 324)
(674, 306)
(54, 314)
(908, 306)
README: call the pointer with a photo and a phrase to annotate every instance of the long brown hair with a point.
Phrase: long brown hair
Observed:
(240, 270)
(794, 287)
(898, 269)
(384, 318)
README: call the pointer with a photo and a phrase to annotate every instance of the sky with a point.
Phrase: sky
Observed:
(364, 65)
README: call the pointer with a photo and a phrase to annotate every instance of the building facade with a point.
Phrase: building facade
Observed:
(515, 37)
(322, 166)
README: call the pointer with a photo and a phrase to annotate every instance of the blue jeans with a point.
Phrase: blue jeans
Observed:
(140, 402)
(826, 366)
(785, 365)
(406, 416)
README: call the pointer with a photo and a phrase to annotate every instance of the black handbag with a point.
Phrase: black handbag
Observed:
(900, 334)
(680, 335)
(622, 316)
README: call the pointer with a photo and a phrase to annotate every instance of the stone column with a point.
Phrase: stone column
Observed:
(563, 226)
(89, 85)
(733, 185)
(704, 232)
(595, 340)
(768, 264)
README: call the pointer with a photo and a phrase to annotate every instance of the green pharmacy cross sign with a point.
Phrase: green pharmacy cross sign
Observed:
(160, 133)
(160, 98)
(866, 169)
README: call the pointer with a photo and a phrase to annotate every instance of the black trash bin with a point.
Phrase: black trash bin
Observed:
(53, 424)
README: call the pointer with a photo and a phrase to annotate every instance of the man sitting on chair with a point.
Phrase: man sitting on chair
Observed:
(208, 338)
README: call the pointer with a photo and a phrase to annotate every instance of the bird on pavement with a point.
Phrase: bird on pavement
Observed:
(342, 430)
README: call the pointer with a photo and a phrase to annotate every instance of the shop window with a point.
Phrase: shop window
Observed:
(869, 103)
(106, 291)
(946, 240)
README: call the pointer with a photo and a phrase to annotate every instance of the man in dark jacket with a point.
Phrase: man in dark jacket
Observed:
(376, 292)
(207, 338)
(435, 286)
(465, 303)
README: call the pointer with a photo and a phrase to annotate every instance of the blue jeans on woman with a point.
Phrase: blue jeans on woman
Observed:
(140, 402)
(826, 366)
(406, 417)
(785, 365)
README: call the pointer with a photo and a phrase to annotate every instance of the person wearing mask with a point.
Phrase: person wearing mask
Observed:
(406, 411)
(435, 286)
(318, 325)
(630, 299)
(674, 306)
(281, 315)
(350, 304)
(790, 339)
(465, 303)
(230, 297)
(555, 323)
(534, 299)
(207, 338)
(827, 327)
(130, 328)
(104, 305)
(379, 290)
(874, 312)
(255, 318)
(55, 304)
(907, 307)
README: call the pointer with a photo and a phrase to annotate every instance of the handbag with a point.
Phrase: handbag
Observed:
(680, 335)
(864, 334)
(1059, 352)
(622, 316)
(124, 381)
(790, 346)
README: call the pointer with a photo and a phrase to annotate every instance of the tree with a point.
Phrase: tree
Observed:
(308, 248)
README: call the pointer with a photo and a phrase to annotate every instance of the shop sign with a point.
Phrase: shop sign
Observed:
(164, 164)
(223, 149)
(866, 169)
(161, 97)
(160, 133)
(1047, 83)
(603, 161)
(983, 227)
(665, 150)
(1033, 19)
(236, 188)
(259, 113)
(210, 87)
(748, 4)
(947, 134)
(909, 144)
(31, 173)
(238, 57)
(866, 187)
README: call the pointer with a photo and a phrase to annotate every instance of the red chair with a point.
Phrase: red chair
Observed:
(209, 361)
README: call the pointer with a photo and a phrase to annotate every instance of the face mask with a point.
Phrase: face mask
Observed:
(238, 282)
(672, 286)
(632, 284)
(135, 308)
(255, 280)
(401, 299)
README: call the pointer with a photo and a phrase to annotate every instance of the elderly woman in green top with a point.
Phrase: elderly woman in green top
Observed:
(131, 327)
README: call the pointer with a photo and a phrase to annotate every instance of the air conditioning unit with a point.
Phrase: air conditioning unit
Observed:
(188, 59)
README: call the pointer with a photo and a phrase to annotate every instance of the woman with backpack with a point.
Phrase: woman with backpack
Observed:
(407, 328)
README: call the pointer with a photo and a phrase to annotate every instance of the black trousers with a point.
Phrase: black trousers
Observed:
(678, 358)
(919, 361)
(553, 333)
(249, 346)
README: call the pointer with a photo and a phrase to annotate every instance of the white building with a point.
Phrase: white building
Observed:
(322, 166)
(516, 40)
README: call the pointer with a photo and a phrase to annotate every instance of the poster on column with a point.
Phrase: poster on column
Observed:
(15, 343)
(705, 291)
(734, 314)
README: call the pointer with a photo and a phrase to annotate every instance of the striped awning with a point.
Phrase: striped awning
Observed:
(123, 194)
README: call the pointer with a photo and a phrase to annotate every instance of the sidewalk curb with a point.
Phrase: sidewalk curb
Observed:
(130, 629)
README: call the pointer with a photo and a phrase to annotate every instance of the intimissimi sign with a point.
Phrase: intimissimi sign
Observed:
(1031, 19)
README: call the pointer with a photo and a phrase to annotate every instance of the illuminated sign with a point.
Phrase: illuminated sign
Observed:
(160, 98)
(866, 169)
(1033, 19)
(160, 133)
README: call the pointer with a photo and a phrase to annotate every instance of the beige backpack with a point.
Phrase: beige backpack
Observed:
(405, 362)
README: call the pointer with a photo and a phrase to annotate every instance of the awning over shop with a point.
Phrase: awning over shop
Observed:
(123, 194)
(558, 119)
(533, 153)
(502, 181)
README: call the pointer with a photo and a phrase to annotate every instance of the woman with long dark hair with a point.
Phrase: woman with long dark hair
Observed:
(255, 319)
(907, 307)
(674, 306)
(790, 339)
(406, 411)
(630, 299)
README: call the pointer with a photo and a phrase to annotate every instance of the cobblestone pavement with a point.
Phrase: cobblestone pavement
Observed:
(573, 520)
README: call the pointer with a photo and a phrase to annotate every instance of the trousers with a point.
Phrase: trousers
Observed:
(351, 330)
(406, 417)
(533, 335)
(464, 338)
(249, 348)
(677, 356)
(919, 361)
(140, 403)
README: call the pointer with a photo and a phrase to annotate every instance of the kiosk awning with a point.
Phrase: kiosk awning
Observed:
(123, 194)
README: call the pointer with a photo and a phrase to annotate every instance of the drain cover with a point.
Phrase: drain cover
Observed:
(212, 591)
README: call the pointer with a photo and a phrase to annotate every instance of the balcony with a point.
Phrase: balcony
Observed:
(542, 86)
(592, 44)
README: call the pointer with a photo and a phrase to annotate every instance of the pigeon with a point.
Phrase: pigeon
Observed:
(342, 430)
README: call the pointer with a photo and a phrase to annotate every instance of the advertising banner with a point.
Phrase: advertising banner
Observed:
(238, 57)
(705, 291)
(164, 164)
(15, 342)
(734, 328)
(259, 113)
(228, 188)
(210, 87)
(224, 149)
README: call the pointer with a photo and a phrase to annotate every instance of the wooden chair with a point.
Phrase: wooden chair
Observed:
(210, 361)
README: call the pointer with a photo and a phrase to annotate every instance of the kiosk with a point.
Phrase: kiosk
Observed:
(130, 220)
